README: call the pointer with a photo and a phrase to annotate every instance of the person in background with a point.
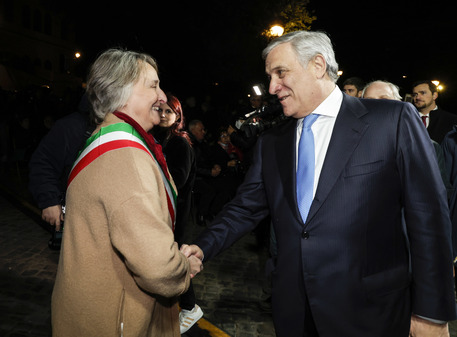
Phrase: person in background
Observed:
(228, 156)
(210, 187)
(180, 157)
(344, 264)
(52, 160)
(437, 121)
(386, 90)
(353, 86)
(120, 271)
(381, 90)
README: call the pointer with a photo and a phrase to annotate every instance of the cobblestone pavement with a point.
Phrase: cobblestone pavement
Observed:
(229, 290)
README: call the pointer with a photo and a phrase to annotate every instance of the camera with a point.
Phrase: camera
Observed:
(56, 239)
(262, 119)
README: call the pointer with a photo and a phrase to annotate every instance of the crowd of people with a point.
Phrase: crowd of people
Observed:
(132, 160)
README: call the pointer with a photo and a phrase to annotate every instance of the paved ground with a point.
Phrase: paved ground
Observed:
(229, 290)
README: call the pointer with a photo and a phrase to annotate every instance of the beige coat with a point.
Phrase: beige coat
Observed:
(120, 270)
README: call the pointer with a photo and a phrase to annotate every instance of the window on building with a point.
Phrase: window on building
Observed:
(26, 17)
(48, 24)
(37, 21)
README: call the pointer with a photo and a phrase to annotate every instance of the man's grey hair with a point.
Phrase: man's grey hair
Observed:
(111, 78)
(307, 45)
(395, 90)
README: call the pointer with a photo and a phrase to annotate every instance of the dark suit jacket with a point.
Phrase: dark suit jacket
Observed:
(441, 122)
(351, 257)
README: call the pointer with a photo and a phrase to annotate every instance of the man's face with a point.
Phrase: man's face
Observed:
(423, 97)
(199, 132)
(290, 81)
(351, 90)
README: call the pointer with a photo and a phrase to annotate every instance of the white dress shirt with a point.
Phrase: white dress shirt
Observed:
(428, 116)
(322, 130)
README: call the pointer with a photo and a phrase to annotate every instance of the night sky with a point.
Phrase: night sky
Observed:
(200, 43)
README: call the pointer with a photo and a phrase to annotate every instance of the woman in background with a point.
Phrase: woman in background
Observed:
(180, 157)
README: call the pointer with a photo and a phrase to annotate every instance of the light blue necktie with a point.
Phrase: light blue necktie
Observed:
(305, 167)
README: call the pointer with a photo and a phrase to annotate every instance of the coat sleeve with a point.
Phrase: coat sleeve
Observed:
(427, 220)
(51, 161)
(140, 227)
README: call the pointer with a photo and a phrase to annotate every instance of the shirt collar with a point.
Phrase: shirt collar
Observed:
(329, 106)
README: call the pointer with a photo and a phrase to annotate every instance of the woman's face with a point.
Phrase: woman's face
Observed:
(145, 99)
(224, 138)
(167, 116)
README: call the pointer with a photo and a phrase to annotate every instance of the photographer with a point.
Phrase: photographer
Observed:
(251, 124)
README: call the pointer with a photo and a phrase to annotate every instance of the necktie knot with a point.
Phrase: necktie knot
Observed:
(309, 120)
(424, 120)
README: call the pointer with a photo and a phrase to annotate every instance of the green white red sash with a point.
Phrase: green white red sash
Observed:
(118, 136)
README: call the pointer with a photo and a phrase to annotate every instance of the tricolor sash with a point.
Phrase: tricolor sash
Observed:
(117, 136)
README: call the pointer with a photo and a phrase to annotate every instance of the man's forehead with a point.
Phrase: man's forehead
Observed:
(279, 57)
(421, 87)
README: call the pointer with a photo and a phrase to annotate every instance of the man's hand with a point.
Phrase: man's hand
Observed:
(53, 215)
(196, 265)
(215, 170)
(422, 328)
(195, 256)
(192, 250)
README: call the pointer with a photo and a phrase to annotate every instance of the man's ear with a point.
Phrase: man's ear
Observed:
(319, 65)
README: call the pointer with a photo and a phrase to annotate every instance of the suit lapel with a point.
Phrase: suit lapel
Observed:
(285, 149)
(347, 132)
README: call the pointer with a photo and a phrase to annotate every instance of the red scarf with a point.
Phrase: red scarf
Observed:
(155, 148)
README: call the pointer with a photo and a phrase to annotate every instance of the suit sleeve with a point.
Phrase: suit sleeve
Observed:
(239, 216)
(427, 221)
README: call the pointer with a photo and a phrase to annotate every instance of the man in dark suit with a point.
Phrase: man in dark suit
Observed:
(373, 255)
(437, 121)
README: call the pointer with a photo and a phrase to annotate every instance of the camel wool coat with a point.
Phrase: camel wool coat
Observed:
(120, 271)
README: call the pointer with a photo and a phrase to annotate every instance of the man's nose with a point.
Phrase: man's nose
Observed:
(274, 87)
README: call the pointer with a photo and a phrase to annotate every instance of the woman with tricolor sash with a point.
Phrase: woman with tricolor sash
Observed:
(120, 270)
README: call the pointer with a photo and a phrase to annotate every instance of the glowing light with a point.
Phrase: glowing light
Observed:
(276, 30)
(77, 55)
(340, 72)
(257, 90)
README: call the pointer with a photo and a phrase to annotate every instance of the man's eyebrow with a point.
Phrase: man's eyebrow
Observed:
(275, 69)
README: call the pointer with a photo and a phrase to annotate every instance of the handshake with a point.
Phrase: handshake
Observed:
(195, 256)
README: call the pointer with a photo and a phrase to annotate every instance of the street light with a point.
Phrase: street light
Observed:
(276, 30)
(257, 90)
(438, 84)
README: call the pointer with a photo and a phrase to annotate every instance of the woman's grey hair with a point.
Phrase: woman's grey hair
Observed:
(307, 45)
(112, 77)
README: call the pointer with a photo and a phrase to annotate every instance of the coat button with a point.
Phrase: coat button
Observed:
(305, 235)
